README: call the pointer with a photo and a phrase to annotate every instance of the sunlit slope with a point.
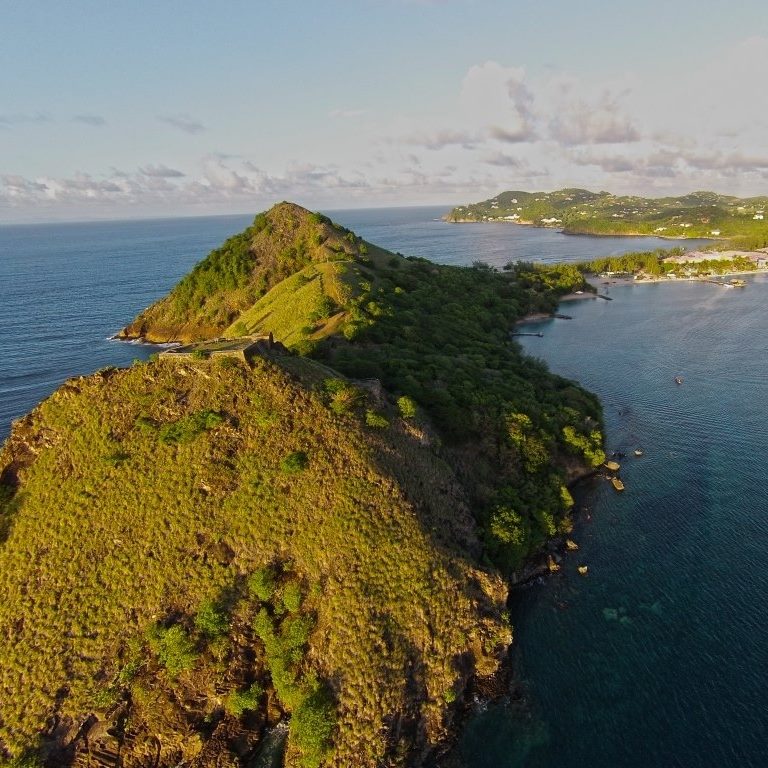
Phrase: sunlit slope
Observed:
(191, 551)
(308, 305)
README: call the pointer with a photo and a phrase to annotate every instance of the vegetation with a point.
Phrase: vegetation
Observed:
(304, 525)
(232, 278)
(666, 262)
(699, 214)
(359, 565)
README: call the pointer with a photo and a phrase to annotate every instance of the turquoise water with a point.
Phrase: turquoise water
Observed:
(659, 655)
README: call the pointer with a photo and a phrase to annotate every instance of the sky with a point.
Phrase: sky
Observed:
(165, 108)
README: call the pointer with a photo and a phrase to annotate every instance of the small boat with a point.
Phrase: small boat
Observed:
(614, 466)
(678, 379)
(617, 484)
(639, 451)
(738, 283)
(583, 569)
(571, 545)
(552, 565)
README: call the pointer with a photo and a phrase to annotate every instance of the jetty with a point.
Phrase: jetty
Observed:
(540, 335)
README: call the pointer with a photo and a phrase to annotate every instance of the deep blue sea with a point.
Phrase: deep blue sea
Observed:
(659, 655)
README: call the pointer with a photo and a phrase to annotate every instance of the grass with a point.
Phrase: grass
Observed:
(361, 559)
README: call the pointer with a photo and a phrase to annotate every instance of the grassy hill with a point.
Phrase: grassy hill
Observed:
(578, 211)
(189, 551)
(232, 278)
(192, 551)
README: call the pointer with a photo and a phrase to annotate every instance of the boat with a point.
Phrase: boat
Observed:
(738, 283)
(639, 451)
(678, 379)
(617, 484)
(583, 569)
(614, 466)
(571, 545)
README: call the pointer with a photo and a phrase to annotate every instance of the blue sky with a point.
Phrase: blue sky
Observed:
(138, 109)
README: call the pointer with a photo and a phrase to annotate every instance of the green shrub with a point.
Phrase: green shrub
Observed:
(342, 396)
(262, 584)
(174, 650)
(188, 428)
(239, 702)
(294, 462)
(210, 621)
(312, 726)
(292, 596)
(407, 407)
(373, 419)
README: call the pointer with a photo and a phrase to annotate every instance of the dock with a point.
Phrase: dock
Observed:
(540, 335)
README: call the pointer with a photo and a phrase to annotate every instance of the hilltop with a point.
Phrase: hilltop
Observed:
(232, 278)
(578, 211)
(194, 550)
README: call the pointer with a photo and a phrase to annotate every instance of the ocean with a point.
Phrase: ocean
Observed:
(657, 656)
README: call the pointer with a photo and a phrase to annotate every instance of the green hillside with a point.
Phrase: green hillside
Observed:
(232, 278)
(194, 550)
(141, 510)
(578, 211)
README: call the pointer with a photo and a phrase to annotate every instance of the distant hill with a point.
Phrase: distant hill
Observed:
(578, 211)
(195, 550)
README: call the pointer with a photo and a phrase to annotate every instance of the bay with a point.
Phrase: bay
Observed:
(658, 656)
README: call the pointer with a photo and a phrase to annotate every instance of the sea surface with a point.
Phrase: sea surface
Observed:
(659, 655)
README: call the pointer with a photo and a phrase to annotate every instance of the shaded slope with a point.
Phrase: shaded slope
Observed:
(140, 510)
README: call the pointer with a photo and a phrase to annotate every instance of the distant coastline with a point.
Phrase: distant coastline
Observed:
(577, 233)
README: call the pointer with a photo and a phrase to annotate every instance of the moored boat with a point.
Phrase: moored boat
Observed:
(617, 484)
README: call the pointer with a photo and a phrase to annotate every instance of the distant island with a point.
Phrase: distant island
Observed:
(744, 222)
(291, 541)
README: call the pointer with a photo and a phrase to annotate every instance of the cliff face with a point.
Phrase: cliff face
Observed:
(194, 551)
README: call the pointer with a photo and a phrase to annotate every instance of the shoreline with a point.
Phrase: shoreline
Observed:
(576, 233)
(597, 282)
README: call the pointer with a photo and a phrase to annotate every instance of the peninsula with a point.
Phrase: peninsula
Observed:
(579, 211)
(295, 535)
